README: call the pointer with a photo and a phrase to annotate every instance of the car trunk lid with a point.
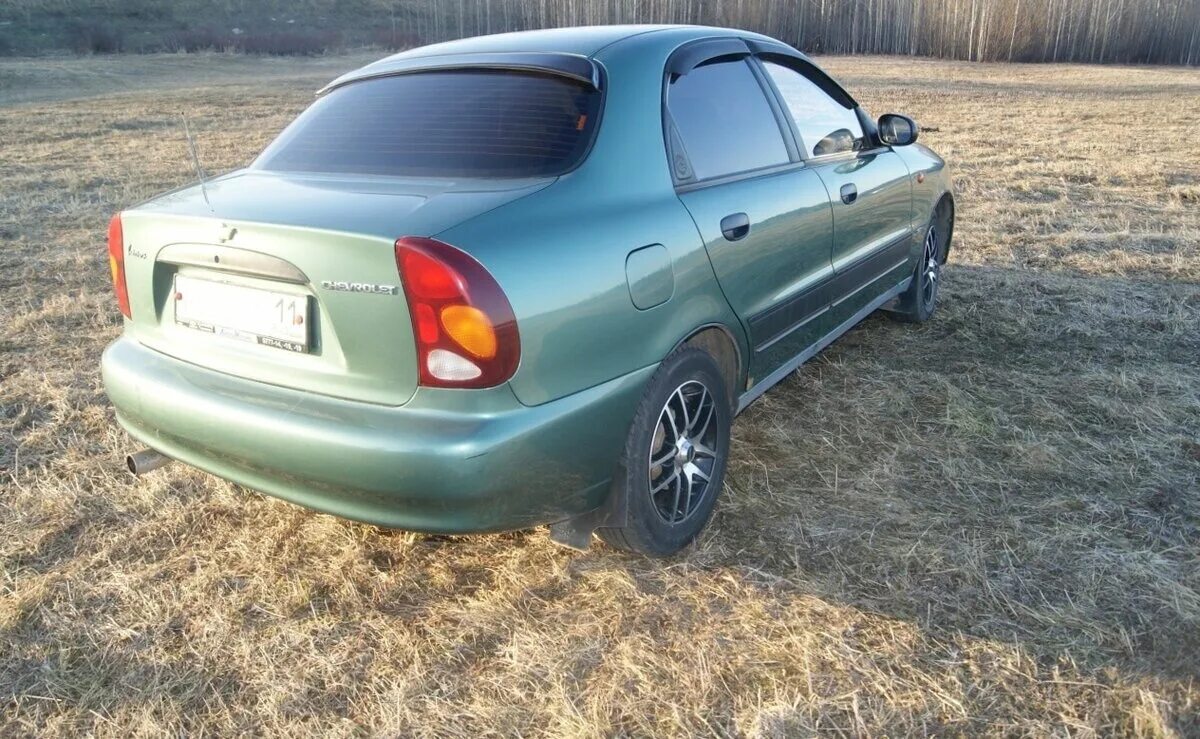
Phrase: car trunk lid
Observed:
(318, 250)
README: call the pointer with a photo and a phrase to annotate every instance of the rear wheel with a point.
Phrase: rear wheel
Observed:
(673, 465)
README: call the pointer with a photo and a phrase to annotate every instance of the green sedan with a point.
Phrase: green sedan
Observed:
(520, 280)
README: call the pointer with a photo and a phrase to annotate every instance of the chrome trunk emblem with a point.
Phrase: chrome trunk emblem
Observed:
(360, 287)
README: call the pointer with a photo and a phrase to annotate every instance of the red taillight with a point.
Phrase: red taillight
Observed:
(464, 326)
(116, 263)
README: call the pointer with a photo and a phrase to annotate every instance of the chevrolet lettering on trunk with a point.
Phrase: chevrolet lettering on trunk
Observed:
(360, 287)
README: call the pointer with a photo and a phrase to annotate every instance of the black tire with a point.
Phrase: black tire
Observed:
(662, 520)
(918, 303)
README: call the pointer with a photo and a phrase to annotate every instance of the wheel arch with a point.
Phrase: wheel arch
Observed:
(943, 215)
(720, 343)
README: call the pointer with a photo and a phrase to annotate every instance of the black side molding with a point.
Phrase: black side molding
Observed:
(776, 322)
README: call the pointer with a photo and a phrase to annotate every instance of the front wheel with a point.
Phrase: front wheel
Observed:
(673, 465)
(919, 301)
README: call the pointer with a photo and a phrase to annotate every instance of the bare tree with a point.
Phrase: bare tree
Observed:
(1143, 31)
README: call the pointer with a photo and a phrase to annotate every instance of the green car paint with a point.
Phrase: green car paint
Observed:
(771, 264)
(448, 460)
(650, 276)
(608, 268)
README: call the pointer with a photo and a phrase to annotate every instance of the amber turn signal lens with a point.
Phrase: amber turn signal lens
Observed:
(470, 329)
(116, 263)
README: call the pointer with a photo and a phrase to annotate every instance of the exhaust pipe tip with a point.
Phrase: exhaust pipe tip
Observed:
(147, 460)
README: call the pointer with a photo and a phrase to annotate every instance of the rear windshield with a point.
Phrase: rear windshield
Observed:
(476, 123)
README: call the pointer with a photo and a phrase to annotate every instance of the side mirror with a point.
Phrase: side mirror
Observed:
(897, 130)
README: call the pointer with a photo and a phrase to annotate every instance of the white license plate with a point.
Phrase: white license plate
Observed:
(248, 314)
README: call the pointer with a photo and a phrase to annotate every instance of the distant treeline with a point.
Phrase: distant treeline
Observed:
(1130, 31)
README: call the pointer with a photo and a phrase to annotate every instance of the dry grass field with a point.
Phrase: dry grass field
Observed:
(987, 524)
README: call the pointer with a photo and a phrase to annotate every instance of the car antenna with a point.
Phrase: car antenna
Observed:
(196, 161)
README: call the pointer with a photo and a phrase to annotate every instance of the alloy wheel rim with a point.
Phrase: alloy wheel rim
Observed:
(683, 452)
(931, 268)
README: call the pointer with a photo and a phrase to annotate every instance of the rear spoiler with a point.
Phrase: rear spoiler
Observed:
(572, 66)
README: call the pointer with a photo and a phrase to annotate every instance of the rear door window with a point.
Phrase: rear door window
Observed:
(723, 120)
(462, 123)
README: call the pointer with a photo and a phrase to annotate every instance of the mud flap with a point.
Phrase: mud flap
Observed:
(576, 533)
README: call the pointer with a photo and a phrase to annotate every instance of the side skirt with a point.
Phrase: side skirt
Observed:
(770, 380)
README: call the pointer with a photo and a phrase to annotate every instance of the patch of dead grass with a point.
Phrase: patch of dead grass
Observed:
(984, 524)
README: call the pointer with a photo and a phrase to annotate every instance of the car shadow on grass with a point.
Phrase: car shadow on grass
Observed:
(1019, 468)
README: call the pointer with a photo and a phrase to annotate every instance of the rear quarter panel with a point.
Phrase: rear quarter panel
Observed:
(560, 253)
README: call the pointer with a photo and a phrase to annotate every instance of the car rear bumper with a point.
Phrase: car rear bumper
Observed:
(448, 461)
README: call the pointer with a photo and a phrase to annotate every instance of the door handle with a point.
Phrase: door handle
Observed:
(849, 193)
(735, 227)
